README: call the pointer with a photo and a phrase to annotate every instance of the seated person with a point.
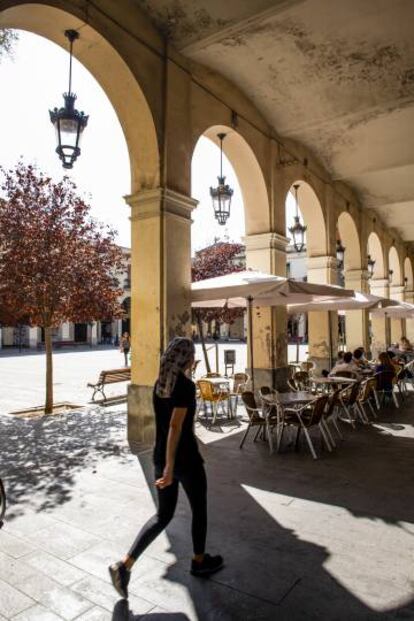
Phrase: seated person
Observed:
(405, 344)
(385, 364)
(340, 356)
(395, 361)
(358, 358)
(346, 364)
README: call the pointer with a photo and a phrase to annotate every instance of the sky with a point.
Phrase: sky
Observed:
(102, 172)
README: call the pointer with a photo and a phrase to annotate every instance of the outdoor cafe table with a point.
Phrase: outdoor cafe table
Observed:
(301, 397)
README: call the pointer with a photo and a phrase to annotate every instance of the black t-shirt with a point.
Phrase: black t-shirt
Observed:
(183, 396)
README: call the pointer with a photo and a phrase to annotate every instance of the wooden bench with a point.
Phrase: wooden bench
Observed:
(110, 377)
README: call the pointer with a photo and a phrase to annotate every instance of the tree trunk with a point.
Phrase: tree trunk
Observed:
(49, 371)
(203, 343)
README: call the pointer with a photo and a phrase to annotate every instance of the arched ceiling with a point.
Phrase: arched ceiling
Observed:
(336, 76)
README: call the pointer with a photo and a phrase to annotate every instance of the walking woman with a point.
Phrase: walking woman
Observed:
(176, 460)
(125, 346)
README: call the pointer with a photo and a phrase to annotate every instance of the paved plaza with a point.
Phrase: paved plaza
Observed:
(23, 374)
(332, 539)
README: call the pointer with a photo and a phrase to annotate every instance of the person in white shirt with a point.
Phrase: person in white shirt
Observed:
(347, 365)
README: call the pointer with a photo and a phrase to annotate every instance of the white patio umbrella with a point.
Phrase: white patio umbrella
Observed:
(253, 288)
(398, 310)
(357, 301)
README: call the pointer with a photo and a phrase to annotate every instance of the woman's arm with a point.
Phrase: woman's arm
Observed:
(174, 434)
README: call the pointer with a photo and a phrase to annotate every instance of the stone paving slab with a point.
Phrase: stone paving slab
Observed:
(331, 539)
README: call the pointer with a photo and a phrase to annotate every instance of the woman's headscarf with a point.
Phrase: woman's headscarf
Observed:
(175, 359)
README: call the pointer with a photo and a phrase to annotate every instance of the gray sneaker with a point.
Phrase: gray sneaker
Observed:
(120, 577)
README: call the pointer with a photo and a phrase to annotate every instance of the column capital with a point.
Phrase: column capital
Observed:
(266, 241)
(154, 203)
(357, 274)
(397, 289)
(322, 262)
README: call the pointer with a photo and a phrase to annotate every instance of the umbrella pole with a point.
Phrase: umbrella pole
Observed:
(330, 340)
(250, 335)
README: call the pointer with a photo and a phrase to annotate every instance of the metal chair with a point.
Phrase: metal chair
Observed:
(240, 382)
(300, 381)
(256, 419)
(309, 416)
(366, 393)
(385, 386)
(209, 394)
(349, 400)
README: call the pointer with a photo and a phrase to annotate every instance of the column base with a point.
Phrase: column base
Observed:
(274, 378)
(141, 421)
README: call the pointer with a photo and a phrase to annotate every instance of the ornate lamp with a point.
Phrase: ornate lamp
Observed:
(69, 123)
(221, 195)
(298, 229)
(371, 265)
(390, 273)
(340, 254)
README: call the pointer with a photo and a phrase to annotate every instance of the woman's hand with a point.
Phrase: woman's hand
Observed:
(166, 479)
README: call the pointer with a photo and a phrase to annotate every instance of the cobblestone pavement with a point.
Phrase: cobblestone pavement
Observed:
(332, 539)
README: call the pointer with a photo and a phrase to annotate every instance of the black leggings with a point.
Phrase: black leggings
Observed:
(195, 486)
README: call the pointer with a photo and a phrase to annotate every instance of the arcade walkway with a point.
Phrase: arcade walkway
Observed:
(332, 539)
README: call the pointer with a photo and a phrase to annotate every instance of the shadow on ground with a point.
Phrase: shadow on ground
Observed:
(278, 572)
(39, 458)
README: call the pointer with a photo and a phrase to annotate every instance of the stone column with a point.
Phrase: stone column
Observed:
(33, 337)
(356, 321)
(1, 337)
(409, 322)
(397, 292)
(160, 293)
(267, 252)
(380, 324)
(322, 326)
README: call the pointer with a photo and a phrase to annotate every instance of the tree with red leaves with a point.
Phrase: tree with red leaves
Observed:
(218, 259)
(57, 264)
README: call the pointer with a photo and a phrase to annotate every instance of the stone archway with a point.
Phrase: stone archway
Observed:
(378, 285)
(321, 268)
(131, 79)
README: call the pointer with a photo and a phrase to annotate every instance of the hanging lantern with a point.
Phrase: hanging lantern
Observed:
(69, 123)
(390, 274)
(371, 266)
(340, 254)
(221, 195)
(298, 229)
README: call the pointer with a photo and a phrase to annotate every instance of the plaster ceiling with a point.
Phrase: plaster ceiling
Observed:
(337, 76)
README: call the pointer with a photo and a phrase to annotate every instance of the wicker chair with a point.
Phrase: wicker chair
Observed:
(257, 419)
(209, 394)
(385, 382)
(367, 392)
(240, 381)
(311, 415)
(300, 381)
(349, 400)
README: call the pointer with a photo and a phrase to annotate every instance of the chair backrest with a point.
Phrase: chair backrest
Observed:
(240, 381)
(206, 390)
(333, 402)
(349, 374)
(366, 388)
(301, 380)
(307, 366)
(318, 408)
(353, 392)
(250, 404)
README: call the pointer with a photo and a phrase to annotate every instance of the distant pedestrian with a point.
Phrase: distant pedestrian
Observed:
(125, 346)
(176, 460)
